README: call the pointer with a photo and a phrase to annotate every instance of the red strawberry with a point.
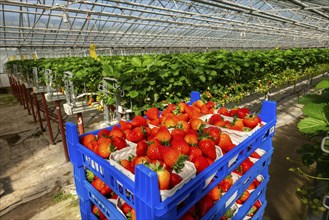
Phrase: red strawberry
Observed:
(127, 164)
(194, 152)
(205, 204)
(96, 211)
(141, 148)
(178, 134)
(153, 151)
(173, 158)
(195, 123)
(215, 118)
(126, 208)
(208, 148)
(223, 111)
(104, 150)
(124, 125)
(117, 132)
(251, 121)
(242, 112)
(232, 112)
(140, 160)
(181, 145)
(183, 117)
(245, 195)
(135, 135)
(210, 104)
(87, 139)
(191, 139)
(119, 143)
(103, 133)
(106, 190)
(152, 113)
(214, 133)
(174, 180)
(255, 155)
(246, 165)
(258, 204)
(163, 135)
(138, 121)
(155, 122)
(214, 194)
(200, 163)
(225, 142)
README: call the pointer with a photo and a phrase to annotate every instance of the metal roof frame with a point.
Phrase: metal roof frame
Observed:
(144, 24)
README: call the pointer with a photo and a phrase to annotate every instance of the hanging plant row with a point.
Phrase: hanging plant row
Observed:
(155, 80)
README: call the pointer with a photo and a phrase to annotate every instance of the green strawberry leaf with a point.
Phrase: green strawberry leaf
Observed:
(312, 126)
(317, 111)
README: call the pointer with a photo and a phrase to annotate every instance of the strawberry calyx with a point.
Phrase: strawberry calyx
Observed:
(179, 164)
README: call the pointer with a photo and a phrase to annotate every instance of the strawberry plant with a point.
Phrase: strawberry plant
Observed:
(315, 124)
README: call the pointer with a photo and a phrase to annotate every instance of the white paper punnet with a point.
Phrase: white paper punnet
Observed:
(187, 173)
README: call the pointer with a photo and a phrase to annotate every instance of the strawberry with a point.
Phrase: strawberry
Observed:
(103, 133)
(214, 133)
(245, 195)
(210, 104)
(138, 121)
(205, 204)
(106, 190)
(124, 125)
(155, 122)
(205, 110)
(152, 113)
(214, 194)
(126, 208)
(153, 151)
(242, 112)
(195, 152)
(251, 186)
(119, 143)
(258, 204)
(225, 142)
(238, 122)
(255, 155)
(104, 140)
(154, 132)
(252, 211)
(87, 139)
(251, 121)
(163, 176)
(238, 171)
(170, 123)
(195, 123)
(117, 132)
(200, 163)
(141, 160)
(246, 165)
(208, 148)
(183, 117)
(96, 211)
(163, 135)
(198, 103)
(104, 150)
(181, 107)
(183, 125)
(135, 135)
(171, 107)
(215, 118)
(178, 134)
(232, 112)
(173, 158)
(133, 214)
(93, 146)
(220, 124)
(224, 186)
(223, 111)
(127, 164)
(191, 139)
(174, 180)
(141, 148)
(181, 145)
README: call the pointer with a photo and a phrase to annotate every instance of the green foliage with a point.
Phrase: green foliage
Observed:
(153, 80)
(316, 125)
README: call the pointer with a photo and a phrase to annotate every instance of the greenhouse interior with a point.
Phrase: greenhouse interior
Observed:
(164, 109)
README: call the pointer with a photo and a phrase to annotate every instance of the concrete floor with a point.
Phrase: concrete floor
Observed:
(48, 202)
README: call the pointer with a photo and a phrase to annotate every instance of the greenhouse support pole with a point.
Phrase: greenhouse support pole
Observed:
(20, 97)
(26, 99)
(38, 110)
(47, 117)
(80, 123)
(30, 100)
(61, 129)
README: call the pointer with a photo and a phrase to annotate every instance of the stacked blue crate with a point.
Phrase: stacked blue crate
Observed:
(143, 193)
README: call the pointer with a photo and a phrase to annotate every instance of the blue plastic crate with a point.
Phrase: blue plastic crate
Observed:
(143, 194)
(258, 193)
(260, 167)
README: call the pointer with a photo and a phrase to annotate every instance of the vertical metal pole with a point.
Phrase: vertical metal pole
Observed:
(80, 123)
(38, 110)
(61, 129)
(26, 99)
(20, 97)
(31, 101)
(50, 131)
